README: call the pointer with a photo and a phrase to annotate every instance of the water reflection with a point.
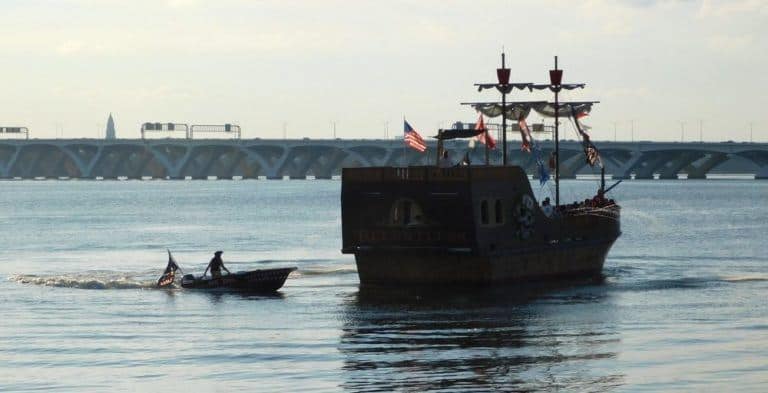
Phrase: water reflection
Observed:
(525, 339)
(218, 297)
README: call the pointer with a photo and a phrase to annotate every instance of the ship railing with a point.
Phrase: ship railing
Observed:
(611, 212)
(433, 173)
(423, 173)
(228, 129)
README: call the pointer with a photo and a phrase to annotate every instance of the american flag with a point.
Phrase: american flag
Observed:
(413, 139)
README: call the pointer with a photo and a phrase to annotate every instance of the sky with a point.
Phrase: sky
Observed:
(669, 68)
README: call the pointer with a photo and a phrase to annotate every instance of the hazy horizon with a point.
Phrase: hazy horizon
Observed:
(365, 65)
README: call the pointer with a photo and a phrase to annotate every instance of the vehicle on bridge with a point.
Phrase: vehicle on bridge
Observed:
(14, 132)
(477, 224)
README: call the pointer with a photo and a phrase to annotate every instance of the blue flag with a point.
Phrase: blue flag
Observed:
(542, 169)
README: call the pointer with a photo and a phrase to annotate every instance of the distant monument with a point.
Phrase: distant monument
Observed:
(110, 128)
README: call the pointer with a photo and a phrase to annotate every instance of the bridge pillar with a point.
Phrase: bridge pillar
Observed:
(762, 173)
(625, 170)
(324, 168)
(700, 171)
(760, 158)
(570, 166)
(8, 156)
(672, 170)
(647, 168)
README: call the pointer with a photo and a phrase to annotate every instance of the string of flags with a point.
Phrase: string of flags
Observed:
(415, 141)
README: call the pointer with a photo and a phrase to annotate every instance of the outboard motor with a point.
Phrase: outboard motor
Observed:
(187, 279)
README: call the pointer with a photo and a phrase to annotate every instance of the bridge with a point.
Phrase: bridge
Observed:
(324, 158)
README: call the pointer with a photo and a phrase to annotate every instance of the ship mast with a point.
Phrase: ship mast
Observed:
(555, 80)
(502, 74)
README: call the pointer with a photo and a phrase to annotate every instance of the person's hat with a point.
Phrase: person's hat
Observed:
(218, 252)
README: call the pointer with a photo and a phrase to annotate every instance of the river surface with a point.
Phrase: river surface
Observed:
(682, 306)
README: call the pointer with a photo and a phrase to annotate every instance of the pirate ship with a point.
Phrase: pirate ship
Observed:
(478, 224)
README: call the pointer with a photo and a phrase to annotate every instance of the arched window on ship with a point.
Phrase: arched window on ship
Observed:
(406, 212)
(499, 212)
(484, 212)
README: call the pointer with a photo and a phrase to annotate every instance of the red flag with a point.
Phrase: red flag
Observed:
(525, 135)
(484, 137)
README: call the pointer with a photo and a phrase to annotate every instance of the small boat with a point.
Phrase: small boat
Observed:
(265, 280)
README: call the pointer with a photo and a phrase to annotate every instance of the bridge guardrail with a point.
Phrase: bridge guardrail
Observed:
(233, 129)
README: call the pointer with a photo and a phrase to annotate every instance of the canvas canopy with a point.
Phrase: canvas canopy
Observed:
(506, 89)
(517, 110)
(457, 133)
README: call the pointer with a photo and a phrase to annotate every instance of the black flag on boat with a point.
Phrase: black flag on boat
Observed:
(590, 150)
(170, 272)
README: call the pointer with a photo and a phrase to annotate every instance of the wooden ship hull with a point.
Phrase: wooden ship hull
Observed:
(552, 263)
(467, 226)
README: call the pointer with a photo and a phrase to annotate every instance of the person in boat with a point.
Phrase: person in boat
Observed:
(465, 161)
(599, 199)
(215, 265)
(546, 207)
(445, 161)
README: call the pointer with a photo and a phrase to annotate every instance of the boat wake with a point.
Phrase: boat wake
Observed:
(106, 279)
(746, 278)
(326, 270)
(682, 283)
(88, 280)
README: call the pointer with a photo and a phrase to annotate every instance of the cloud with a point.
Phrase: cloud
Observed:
(183, 3)
(622, 93)
(157, 57)
(70, 47)
(731, 8)
(731, 42)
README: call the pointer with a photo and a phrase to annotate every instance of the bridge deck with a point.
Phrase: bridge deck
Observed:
(324, 158)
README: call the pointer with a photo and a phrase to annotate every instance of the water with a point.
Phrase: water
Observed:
(682, 305)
